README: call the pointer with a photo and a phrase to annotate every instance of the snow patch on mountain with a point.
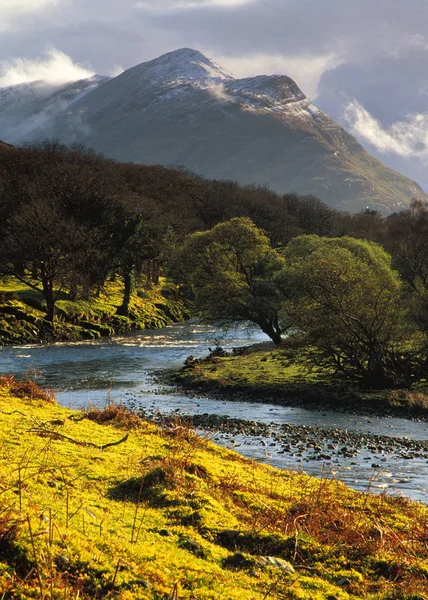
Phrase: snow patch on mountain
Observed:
(180, 66)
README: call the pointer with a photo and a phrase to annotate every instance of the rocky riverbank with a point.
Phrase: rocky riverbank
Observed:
(305, 442)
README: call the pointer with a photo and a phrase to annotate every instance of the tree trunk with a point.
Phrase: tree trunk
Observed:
(48, 293)
(129, 281)
(271, 332)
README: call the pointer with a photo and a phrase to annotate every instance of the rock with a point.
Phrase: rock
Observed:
(343, 581)
(237, 561)
(192, 546)
(273, 561)
(164, 532)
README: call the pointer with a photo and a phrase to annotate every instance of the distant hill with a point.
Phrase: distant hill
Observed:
(183, 109)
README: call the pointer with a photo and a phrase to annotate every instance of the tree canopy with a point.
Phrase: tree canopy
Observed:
(231, 272)
(349, 300)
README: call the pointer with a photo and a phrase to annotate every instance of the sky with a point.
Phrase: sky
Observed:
(364, 62)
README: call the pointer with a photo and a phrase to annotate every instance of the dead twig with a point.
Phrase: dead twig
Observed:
(60, 436)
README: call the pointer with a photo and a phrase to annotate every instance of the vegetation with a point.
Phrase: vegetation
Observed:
(349, 301)
(75, 226)
(101, 504)
(358, 317)
(292, 375)
(231, 270)
(23, 313)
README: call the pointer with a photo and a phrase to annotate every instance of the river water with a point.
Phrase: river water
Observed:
(121, 369)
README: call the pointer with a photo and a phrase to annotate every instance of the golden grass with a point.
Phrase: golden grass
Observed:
(166, 514)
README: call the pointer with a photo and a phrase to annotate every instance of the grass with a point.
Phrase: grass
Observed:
(166, 514)
(282, 375)
(22, 313)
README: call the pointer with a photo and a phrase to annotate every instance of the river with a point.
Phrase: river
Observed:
(121, 369)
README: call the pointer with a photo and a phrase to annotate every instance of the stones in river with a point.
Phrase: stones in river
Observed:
(309, 442)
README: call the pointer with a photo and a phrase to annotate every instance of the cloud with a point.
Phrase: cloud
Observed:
(408, 138)
(218, 91)
(11, 11)
(338, 51)
(305, 70)
(54, 68)
(180, 4)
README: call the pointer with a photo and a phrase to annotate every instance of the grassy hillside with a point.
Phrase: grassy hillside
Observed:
(22, 313)
(101, 504)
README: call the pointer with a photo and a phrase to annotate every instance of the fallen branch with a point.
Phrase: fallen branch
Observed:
(13, 413)
(60, 436)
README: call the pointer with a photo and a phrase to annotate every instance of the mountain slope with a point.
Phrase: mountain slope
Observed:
(5, 147)
(183, 109)
(28, 105)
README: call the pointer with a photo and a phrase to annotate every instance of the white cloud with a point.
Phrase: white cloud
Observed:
(305, 70)
(219, 92)
(11, 11)
(56, 68)
(174, 4)
(408, 138)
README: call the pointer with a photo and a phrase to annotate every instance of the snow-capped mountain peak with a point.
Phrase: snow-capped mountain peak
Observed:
(183, 64)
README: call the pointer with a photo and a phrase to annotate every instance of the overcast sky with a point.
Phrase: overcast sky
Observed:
(364, 62)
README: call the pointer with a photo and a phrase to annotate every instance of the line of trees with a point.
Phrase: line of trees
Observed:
(70, 219)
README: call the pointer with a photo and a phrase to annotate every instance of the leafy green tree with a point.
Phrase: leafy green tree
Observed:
(348, 299)
(230, 272)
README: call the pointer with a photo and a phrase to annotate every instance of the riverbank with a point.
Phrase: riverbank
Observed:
(22, 314)
(264, 373)
(101, 502)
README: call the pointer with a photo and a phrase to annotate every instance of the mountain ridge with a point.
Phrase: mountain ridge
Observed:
(184, 109)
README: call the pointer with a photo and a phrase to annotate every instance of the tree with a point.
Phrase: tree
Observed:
(58, 220)
(349, 300)
(39, 234)
(229, 271)
(407, 240)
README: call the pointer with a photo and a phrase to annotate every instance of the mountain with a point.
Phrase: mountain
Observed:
(28, 105)
(183, 109)
(4, 147)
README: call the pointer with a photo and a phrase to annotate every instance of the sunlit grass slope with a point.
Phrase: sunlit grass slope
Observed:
(101, 504)
(22, 313)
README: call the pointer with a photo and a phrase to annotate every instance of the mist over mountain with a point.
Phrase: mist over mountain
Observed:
(25, 106)
(183, 109)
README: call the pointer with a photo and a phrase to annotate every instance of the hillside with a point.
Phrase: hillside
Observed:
(102, 504)
(183, 109)
(25, 106)
(4, 147)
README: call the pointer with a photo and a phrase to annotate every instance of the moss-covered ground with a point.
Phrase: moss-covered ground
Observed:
(288, 375)
(22, 313)
(100, 504)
